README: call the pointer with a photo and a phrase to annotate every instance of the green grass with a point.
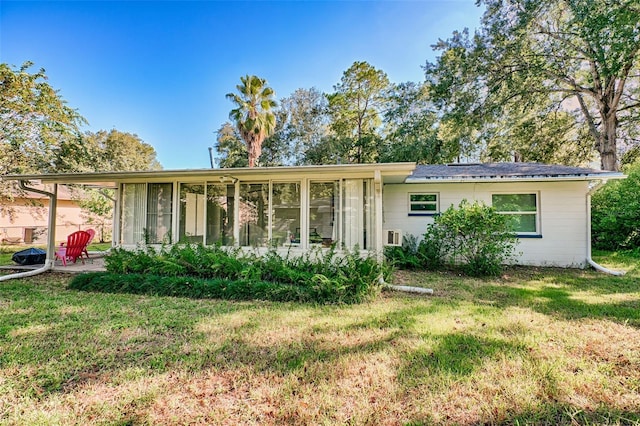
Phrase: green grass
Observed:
(534, 346)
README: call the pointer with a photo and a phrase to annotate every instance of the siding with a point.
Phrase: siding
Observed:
(561, 209)
(25, 214)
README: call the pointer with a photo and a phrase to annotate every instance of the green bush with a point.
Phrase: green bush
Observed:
(323, 276)
(476, 236)
(473, 237)
(615, 213)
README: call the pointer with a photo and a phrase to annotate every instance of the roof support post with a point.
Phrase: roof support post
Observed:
(377, 199)
(236, 213)
(53, 207)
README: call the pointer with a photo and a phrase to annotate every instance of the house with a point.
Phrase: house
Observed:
(23, 218)
(366, 206)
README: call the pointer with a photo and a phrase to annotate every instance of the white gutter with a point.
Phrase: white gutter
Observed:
(591, 262)
(48, 263)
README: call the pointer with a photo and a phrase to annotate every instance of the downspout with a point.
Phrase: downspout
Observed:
(48, 263)
(589, 259)
(404, 288)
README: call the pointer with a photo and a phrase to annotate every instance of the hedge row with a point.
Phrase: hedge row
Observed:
(318, 290)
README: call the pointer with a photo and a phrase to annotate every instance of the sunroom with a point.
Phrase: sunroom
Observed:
(291, 208)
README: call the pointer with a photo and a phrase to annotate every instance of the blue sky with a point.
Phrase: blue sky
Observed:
(162, 69)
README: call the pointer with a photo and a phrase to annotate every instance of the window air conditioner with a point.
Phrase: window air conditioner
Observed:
(392, 237)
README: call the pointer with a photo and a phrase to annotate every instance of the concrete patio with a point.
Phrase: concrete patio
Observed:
(95, 263)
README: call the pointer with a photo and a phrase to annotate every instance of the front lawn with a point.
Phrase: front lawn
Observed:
(534, 346)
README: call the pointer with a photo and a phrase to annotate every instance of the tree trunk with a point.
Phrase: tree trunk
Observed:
(254, 149)
(607, 142)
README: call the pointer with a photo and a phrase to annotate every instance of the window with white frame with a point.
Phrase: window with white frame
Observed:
(192, 206)
(285, 213)
(522, 208)
(146, 213)
(423, 203)
(254, 214)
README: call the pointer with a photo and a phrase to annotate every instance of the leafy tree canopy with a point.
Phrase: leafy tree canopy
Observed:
(356, 109)
(230, 148)
(35, 120)
(542, 68)
(410, 126)
(106, 151)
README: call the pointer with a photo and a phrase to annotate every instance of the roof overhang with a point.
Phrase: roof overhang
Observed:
(390, 173)
(531, 178)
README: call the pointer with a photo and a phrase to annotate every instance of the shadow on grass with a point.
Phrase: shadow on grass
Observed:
(553, 414)
(565, 414)
(54, 340)
(454, 355)
(563, 302)
(60, 340)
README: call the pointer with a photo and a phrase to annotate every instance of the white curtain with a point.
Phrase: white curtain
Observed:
(133, 213)
(352, 217)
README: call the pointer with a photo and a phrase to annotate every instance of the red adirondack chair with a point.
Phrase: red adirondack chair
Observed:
(92, 234)
(75, 246)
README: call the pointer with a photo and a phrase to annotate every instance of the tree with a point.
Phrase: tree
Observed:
(106, 151)
(576, 57)
(410, 128)
(307, 123)
(356, 109)
(34, 121)
(253, 116)
(230, 148)
(615, 212)
(125, 151)
(277, 149)
(97, 209)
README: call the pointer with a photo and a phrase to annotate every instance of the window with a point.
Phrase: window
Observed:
(133, 207)
(254, 218)
(191, 226)
(146, 213)
(285, 214)
(358, 214)
(323, 226)
(523, 209)
(423, 204)
(220, 207)
(159, 203)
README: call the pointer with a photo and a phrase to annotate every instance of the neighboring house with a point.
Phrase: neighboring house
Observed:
(24, 219)
(366, 206)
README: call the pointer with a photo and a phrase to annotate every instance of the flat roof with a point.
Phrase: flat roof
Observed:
(394, 173)
(111, 178)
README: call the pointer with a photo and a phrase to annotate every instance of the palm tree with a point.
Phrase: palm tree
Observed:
(253, 116)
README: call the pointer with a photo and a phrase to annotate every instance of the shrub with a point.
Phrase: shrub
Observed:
(426, 254)
(474, 237)
(432, 250)
(615, 212)
(196, 288)
(323, 276)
